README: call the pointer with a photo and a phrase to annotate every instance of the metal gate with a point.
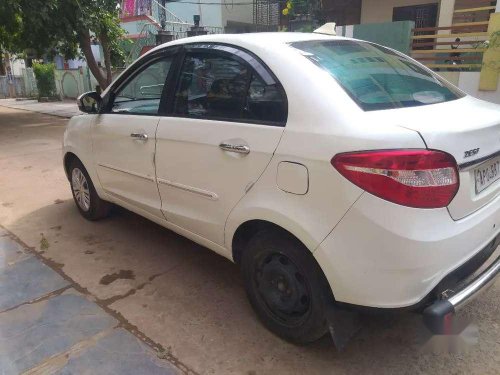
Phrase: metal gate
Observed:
(266, 12)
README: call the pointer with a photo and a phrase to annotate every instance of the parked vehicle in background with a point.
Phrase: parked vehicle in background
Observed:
(336, 173)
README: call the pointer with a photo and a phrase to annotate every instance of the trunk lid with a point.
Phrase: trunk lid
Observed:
(468, 129)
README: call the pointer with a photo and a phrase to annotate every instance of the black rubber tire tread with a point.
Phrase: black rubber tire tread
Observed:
(315, 325)
(99, 208)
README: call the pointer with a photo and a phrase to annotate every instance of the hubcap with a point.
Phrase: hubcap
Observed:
(283, 288)
(80, 188)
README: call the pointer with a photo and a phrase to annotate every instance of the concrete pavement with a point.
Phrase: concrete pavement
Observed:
(46, 326)
(67, 108)
(182, 299)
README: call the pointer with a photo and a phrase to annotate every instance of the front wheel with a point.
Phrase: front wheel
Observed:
(286, 287)
(87, 201)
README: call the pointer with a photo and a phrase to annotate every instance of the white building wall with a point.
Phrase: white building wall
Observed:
(469, 83)
(211, 14)
(237, 13)
(17, 65)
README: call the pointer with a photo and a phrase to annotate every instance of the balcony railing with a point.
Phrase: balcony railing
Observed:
(457, 47)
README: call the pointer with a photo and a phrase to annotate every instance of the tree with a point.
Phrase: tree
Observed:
(63, 26)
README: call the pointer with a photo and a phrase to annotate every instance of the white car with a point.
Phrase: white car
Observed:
(336, 173)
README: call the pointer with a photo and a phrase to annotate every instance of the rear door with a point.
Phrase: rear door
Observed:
(228, 115)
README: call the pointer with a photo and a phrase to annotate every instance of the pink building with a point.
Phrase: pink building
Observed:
(136, 7)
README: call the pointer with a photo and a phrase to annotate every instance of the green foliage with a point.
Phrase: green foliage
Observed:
(57, 26)
(10, 23)
(45, 79)
(300, 7)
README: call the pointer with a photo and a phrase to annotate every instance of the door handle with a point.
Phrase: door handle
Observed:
(240, 149)
(139, 136)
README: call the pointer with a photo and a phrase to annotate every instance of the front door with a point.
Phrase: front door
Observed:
(228, 117)
(123, 137)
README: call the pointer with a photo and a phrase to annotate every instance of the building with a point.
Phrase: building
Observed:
(451, 37)
(212, 13)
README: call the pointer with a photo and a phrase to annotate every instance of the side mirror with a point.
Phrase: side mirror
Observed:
(89, 102)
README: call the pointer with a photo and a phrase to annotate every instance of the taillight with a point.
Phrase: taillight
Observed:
(414, 178)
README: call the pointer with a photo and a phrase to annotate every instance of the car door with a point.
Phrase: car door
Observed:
(123, 136)
(228, 115)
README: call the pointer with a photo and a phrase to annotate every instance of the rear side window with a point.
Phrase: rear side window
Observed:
(376, 77)
(219, 87)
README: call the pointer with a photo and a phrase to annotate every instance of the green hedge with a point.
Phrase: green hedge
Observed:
(45, 79)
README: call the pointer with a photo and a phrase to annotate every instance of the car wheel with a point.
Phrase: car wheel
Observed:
(286, 287)
(88, 202)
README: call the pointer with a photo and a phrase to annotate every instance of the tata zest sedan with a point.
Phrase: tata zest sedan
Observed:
(336, 173)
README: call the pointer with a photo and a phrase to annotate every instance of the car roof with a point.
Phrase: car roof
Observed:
(251, 39)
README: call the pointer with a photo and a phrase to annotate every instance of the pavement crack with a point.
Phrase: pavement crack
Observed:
(123, 322)
(39, 299)
(111, 300)
(57, 362)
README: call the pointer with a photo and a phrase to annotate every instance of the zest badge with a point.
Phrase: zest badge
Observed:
(469, 153)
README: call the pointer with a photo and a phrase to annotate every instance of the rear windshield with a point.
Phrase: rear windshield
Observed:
(377, 77)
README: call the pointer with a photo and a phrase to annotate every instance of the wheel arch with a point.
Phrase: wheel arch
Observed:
(246, 220)
(246, 230)
(69, 157)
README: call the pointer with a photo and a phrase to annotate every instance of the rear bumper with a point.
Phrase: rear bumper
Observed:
(382, 255)
(437, 315)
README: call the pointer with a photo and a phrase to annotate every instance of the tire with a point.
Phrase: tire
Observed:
(286, 287)
(87, 201)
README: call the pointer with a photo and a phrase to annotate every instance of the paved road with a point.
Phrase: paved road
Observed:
(183, 298)
(47, 326)
(67, 108)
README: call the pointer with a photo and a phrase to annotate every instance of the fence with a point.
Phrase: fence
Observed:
(459, 47)
(12, 87)
(70, 83)
(31, 89)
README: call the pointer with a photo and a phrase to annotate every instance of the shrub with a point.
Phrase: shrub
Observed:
(45, 79)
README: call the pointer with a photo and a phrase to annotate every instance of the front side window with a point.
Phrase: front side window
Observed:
(215, 86)
(142, 94)
(376, 77)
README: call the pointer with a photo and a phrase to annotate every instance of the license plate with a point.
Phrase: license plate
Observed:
(486, 174)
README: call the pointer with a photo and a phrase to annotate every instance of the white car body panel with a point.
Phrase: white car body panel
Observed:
(456, 127)
(77, 140)
(385, 255)
(373, 252)
(125, 165)
(198, 182)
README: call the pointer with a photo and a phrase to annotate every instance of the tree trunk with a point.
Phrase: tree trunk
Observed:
(107, 56)
(2, 66)
(85, 45)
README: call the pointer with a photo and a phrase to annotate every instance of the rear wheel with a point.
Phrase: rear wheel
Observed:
(286, 287)
(87, 201)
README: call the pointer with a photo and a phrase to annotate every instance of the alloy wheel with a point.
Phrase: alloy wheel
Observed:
(81, 189)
